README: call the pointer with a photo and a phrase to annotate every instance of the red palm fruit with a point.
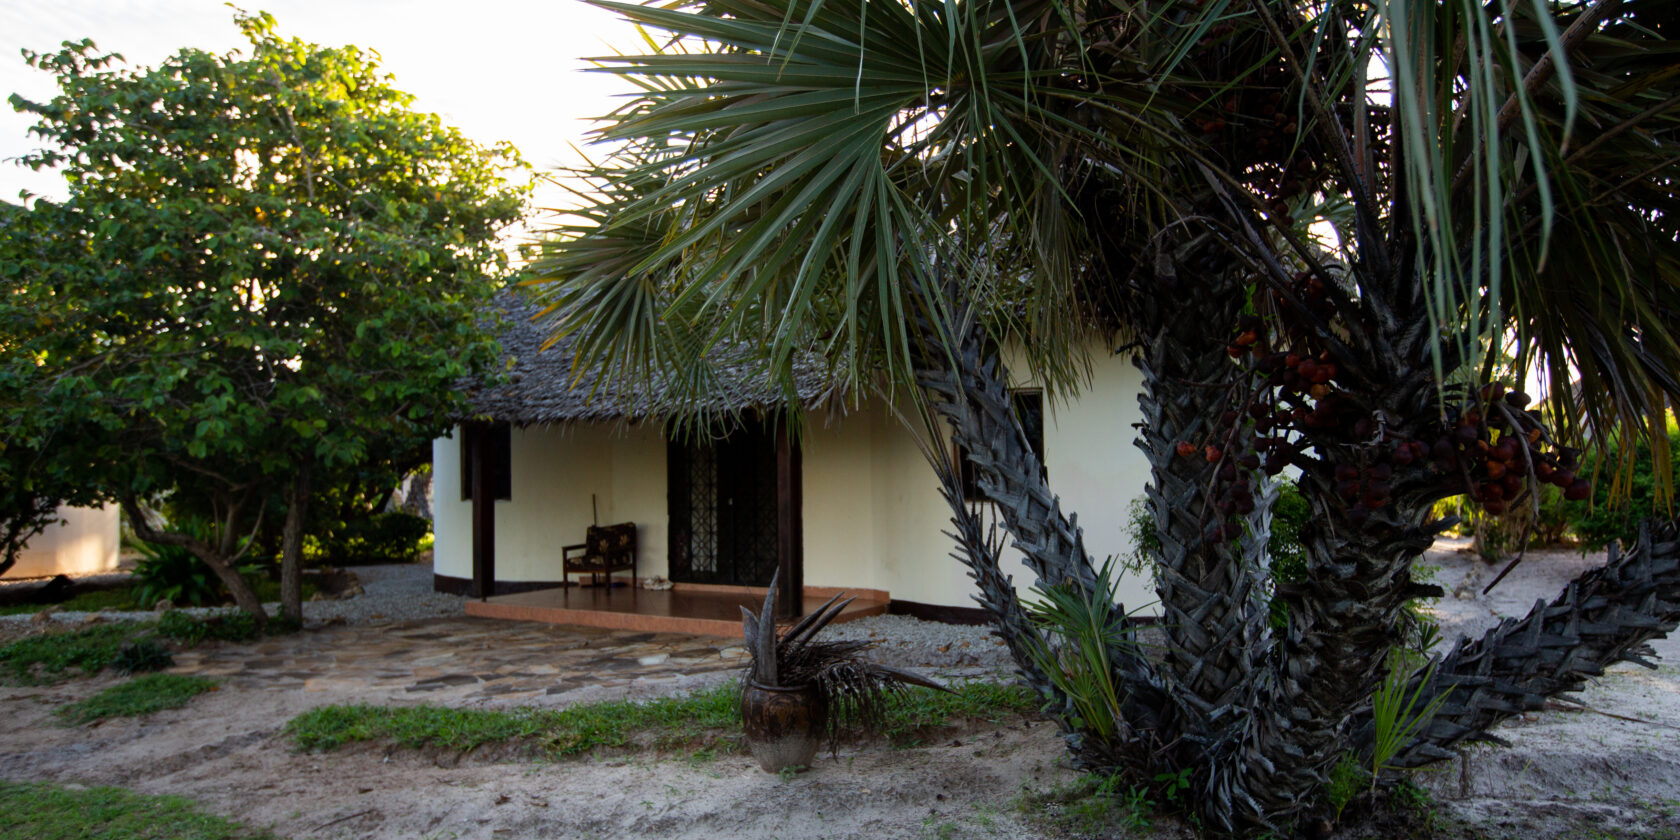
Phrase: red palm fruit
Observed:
(1513, 484)
(1442, 450)
(1563, 478)
(1291, 360)
(1381, 472)
(1319, 392)
(1236, 351)
(1517, 400)
(1250, 461)
(1228, 472)
(1245, 504)
(1308, 368)
(1466, 435)
(1402, 455)
(1542, 470)
(1211, 453)
(1504, 450)
(1248, 337)
(1347, 489)
(1186, 448)
(1259, 410)
(1346, 472)
(1578, 491)
(1495, 507)
(1276, 463)
(1495, 469)
(1493, 493)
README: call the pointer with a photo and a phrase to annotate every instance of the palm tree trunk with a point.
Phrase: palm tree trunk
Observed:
(1212, 568)
(1605, 616)
(968, 388)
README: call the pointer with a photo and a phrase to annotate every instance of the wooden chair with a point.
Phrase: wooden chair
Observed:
(605, 549)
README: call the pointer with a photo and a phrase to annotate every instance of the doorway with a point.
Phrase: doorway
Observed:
(734, 506)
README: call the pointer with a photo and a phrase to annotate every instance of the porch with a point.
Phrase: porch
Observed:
(700, 609)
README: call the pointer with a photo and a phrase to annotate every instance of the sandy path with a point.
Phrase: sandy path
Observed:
(1568, 773)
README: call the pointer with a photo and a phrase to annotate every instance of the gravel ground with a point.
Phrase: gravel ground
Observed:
(394, 593)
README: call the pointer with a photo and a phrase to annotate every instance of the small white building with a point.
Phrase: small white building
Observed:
(84, 541)
(849, 503)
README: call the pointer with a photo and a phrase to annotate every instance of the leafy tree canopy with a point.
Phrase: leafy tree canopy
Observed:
(266, 261)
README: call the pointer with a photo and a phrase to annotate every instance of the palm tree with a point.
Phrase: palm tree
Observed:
(902, 188)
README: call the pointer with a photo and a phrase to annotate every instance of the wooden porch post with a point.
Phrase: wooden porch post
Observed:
(477, 439)
(790, 534)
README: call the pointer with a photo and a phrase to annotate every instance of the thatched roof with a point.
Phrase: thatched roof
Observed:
(542, 387)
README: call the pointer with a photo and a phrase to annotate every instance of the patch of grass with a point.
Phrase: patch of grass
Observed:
(912, 714)
(705, 723)
(51, 657)
(49, 812)
(122, 599)
(139, 696)
(1092, 805)
(666, 721)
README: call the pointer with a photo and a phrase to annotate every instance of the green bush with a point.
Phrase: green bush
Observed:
(1611, 519)
(173, 572)
(229, 626)
(142, 655)
(380, 538)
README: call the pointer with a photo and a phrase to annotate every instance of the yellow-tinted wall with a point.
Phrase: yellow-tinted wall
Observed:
(873, 516)
(556, 470)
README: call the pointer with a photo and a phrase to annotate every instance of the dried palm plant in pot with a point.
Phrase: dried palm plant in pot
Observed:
(797, 690)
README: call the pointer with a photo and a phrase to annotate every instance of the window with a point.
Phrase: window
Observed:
(1029, 412)
(499, 438)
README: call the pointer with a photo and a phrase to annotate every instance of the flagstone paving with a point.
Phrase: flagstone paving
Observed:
(469, 662)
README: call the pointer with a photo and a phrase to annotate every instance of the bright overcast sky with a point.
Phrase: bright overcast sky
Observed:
(496, 69)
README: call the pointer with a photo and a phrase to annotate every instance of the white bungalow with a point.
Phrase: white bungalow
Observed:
(83, 541)
(849, 504)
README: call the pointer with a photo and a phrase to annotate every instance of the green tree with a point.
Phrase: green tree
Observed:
(904, 187)
(268, 269)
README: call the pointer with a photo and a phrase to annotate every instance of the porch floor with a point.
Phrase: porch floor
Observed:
(709, 611)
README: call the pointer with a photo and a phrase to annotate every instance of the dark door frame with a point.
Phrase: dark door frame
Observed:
(789, 513)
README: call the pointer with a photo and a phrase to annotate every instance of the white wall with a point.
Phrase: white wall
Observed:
(873, 516)
(84, 541)
(556, 469)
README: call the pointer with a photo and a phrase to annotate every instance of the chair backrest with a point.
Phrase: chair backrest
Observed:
(614, 541)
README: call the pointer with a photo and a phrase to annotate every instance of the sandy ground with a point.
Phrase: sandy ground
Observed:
(1569, 773)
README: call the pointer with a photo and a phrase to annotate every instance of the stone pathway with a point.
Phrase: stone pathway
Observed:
(469, 662)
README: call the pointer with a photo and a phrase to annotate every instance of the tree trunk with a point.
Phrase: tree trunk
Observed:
(969, 390)
(1605, 616)
(243, 595)
(291, 545)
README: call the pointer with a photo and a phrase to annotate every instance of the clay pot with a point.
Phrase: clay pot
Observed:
(784, 725)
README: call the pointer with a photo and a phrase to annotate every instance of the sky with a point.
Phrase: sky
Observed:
(496, 69)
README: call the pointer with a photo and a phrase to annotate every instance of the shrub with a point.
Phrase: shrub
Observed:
(1616, 515)
(140, 656)
(230, 626)
(173, 572)
(380, 538)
